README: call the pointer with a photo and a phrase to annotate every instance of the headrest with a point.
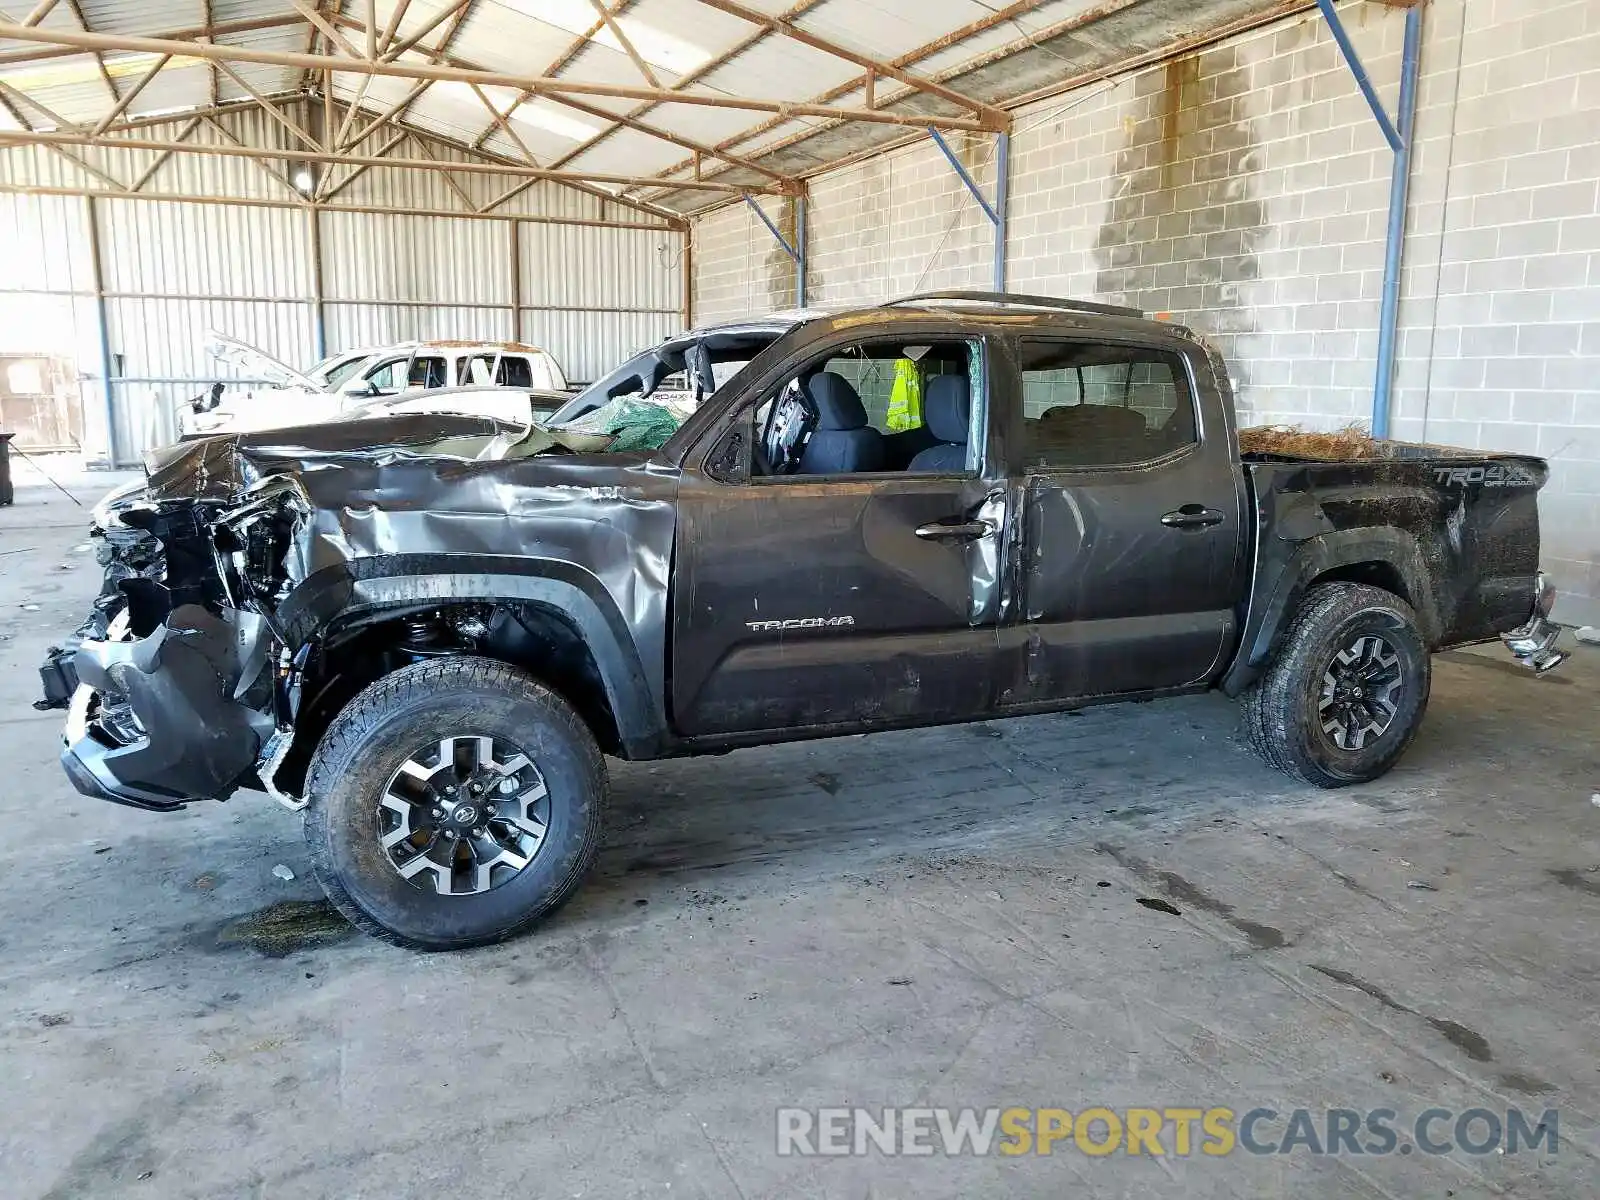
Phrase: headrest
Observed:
(838, 406)
(947, 408)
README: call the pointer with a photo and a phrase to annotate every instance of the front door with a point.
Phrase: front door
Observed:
(1131, 527)
(835, 569)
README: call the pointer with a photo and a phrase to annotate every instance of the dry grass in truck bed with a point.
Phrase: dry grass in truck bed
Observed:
(1345, 444)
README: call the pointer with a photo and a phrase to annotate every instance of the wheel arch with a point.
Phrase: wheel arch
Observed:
(1386, 558)
(559, 605)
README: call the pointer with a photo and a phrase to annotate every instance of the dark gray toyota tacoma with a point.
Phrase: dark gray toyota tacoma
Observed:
(424, 632)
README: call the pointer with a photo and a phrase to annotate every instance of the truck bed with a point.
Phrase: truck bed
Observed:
(1463, 526)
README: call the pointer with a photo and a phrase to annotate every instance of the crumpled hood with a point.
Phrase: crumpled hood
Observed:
(413, 484)
(219, 468)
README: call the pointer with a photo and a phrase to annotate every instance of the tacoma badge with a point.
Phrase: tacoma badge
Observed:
(799, 623)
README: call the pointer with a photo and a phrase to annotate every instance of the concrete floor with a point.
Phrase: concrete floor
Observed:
(938, 917)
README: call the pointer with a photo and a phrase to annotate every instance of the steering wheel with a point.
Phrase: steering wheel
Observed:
(788, 430)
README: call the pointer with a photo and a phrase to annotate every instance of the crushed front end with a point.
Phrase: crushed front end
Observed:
(178, 680)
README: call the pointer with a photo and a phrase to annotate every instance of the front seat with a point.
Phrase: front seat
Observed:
(947, 412)
(842, 442)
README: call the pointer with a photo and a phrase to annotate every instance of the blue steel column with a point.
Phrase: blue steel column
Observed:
(319, 321)
(1394, 251)
(996, 212)
(799, 251)
(795, 251)
(107, 363)
(1002, 194)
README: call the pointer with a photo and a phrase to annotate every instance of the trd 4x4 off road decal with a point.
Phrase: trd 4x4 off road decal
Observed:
(800, 623)
(1493, 475)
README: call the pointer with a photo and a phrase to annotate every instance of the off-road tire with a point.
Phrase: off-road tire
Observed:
(1281, 709)
(369, 740)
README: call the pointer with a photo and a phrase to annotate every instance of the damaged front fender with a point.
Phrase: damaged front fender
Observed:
(297, 567)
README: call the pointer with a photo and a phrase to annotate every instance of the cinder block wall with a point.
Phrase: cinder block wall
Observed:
(888, 226)
(1245, 190)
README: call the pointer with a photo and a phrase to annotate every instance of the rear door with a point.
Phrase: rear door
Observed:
(1131, 531)
(840, 598)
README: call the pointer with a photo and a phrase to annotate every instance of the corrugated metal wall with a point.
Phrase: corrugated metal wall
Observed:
(47, 291)
(172, 270)
(613, 289)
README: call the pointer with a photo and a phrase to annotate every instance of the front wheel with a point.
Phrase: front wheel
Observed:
(1347, 691)
(454, 803)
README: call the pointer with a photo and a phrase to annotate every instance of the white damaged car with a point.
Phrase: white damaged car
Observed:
(489, 378)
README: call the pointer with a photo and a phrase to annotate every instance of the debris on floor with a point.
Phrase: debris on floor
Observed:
(1420, 885)
(1159, 905)
(283, 872)
(283, 928)
(1588, 633)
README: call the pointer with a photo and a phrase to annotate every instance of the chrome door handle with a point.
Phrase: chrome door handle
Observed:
(963, 531)
(1192, 516)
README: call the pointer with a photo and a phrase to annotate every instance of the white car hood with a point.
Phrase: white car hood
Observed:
(255, 362)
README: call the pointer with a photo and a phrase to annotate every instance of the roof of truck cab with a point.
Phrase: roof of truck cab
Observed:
(1008, 311)
(1015, 318)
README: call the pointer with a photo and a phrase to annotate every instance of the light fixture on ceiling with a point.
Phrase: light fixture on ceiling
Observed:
(304, 177)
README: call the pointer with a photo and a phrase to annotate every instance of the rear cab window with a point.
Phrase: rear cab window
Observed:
(1102, 404)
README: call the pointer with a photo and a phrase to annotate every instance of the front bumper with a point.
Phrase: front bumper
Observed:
(175, 716)
(1533, 644)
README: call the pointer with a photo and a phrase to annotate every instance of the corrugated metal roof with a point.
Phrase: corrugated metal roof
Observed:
(991, 52)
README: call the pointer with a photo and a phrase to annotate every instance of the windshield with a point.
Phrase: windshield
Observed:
(684, 370)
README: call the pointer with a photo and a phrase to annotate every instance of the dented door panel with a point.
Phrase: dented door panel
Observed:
(1113, 600)
(1130, 578)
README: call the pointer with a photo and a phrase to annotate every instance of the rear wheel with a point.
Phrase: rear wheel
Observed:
(1347, 691)
(454, 803)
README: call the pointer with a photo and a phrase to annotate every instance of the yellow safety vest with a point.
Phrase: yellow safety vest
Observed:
(905, 400)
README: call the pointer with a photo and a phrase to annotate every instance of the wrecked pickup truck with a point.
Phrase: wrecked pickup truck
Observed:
(948, 508)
